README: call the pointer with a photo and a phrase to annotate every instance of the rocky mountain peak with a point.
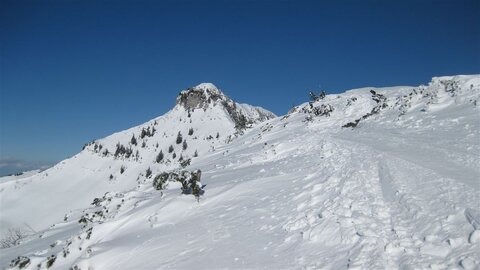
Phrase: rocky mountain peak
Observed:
(200, 96)
(207, 95)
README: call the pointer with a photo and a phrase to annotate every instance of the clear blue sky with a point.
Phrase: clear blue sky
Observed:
(72, 71)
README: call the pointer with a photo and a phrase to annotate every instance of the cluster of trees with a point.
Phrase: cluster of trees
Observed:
(314, 97)
(20, 262)
(185, 163)
(97, 148)
(121, 150)
(147, 132)
(190, 181)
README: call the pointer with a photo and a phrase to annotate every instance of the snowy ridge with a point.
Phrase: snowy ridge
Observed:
(396, 189)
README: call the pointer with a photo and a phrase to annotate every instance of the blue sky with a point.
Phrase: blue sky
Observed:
(72, 71)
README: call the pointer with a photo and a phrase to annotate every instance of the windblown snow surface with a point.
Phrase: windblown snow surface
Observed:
(382, 179)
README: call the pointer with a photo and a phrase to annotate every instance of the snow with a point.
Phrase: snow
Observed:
(399, 190)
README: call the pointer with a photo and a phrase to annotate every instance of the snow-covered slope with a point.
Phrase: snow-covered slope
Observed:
(118, 162)
(382, 178)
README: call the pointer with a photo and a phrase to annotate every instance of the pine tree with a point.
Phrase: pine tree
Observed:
(196, 154)
(148, 173)
(184, 146)
(170, 149)
(190, 132)
(143, 133)
(179, 138)
(133, 140)
(159, 157)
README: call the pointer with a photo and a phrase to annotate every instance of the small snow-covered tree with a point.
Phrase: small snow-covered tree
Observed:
(184, 145)
(179, 138)
(133, 140)
(190, 132)
(160, 181)
(148, 173)
(143, 133)
(170, 149)
(159, 157)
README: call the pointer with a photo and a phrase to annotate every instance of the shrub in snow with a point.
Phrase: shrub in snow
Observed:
(174, 155)
(51, 260)
(122, 169)
(190, 132)
(322, 110)
(190, 181)
(185, 163)
(83, 220)
(170, 149)
(20, 262)
(351, 124)
(195, 154)
(160, 181)
(97, 201)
